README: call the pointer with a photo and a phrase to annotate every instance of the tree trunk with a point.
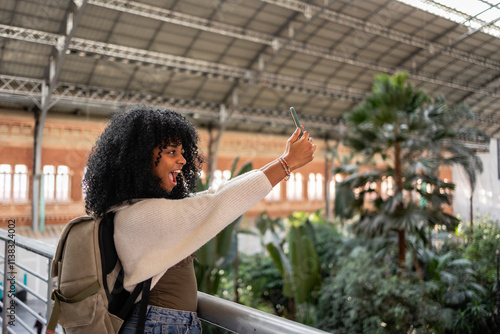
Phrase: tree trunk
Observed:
(236, 276)
(401, 249)
(291, 308)
(417, 266)
(471, 217)
(398, 174)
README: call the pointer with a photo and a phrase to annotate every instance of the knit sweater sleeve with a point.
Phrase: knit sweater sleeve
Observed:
(154, 234)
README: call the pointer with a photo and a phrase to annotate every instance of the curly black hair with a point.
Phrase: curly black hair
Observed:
(120, 165)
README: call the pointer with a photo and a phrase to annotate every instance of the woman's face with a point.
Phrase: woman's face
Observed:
(169, 165)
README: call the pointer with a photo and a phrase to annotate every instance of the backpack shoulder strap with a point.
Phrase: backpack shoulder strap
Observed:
(143, 307)
(121, 303)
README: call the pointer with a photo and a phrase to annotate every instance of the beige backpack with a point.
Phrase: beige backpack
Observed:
(90, 297)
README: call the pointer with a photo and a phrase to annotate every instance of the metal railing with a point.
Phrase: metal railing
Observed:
(238, 318)
(222, 313)
(11, 285)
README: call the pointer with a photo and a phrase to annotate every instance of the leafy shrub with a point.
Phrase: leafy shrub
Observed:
(482, 249)
(479, 315)
(364, 297)
(260, 284)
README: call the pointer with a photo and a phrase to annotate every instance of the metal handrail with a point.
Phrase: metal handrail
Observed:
(217, 311)
(238, 318)
(34, 246)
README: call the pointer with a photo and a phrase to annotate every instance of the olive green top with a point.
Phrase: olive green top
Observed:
(177, 288)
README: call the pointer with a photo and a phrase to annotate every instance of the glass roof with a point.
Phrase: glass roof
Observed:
(475, 14)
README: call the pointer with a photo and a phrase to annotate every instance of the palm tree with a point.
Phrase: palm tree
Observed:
(404, 135)
(380, 127)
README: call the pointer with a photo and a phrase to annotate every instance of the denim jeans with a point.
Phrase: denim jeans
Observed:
(160, 320)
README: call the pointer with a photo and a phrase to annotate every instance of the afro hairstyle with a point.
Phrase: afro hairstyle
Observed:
(120, 165)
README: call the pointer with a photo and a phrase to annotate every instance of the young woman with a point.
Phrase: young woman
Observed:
(144, 168)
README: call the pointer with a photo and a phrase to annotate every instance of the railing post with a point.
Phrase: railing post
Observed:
(6, 289)
(50, 286)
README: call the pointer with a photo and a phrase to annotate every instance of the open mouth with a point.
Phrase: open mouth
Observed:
(173, 176)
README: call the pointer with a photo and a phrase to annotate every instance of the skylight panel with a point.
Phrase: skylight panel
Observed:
(475, 14)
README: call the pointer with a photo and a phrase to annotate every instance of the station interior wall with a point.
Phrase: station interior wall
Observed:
(486, 196)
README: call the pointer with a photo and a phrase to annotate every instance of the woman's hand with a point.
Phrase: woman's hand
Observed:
(299, 151)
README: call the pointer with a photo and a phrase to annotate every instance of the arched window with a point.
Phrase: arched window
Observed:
(333, 184)
(319, 186)
(331, 188)
(387, 187)
(56, 183)
(84, 192)
(275, 194)
(20, 188)
(49, 182)
(294, 189)
(315, 186)
(311, 187)
(62, 183)
(5, 182)
(219, 177)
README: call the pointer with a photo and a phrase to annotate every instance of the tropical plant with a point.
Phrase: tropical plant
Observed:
(297, 261)
(262, 284)
(457, 290)
(482, 252)
(329, 243)
(404, 135)
(455, 274)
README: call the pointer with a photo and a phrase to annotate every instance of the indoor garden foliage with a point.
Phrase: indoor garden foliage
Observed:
(359, 287)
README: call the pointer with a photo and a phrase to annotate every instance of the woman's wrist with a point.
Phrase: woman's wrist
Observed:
(285, 166)
(274, 171)
(290, 161)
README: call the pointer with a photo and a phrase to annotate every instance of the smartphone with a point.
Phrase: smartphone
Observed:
(296, 119)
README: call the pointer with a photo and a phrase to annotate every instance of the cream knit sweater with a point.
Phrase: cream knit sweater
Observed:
(154, 234)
